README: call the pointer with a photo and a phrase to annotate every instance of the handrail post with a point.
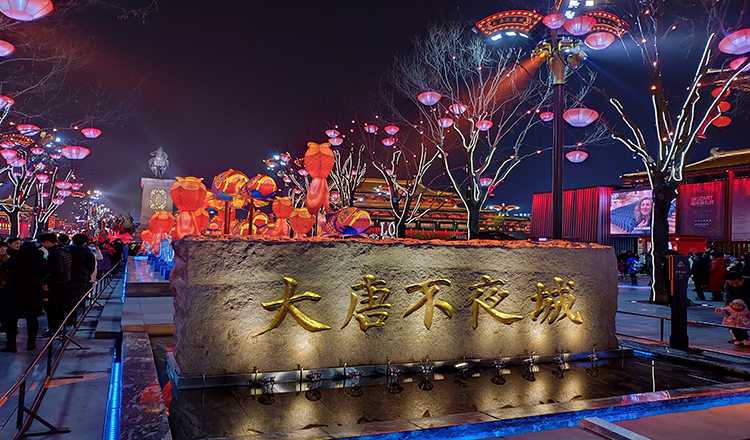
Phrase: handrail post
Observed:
(661, 331)
(49, 358)
(21, 404)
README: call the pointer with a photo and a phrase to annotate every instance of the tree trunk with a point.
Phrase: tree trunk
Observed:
(472, 221)
(400, 227)
(39, 227)
(662, 199)
(14, 223)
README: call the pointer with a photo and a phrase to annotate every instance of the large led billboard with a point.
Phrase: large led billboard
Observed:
(630, 213)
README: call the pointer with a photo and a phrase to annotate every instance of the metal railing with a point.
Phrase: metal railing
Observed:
(26, 415)
(661, 326)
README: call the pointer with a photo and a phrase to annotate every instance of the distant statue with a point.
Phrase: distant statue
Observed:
(159, 162)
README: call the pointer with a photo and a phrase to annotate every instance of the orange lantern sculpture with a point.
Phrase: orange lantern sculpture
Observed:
(226, 187)
(302, 221)
(241, 227)
(283, 208)
(319, 162)
(260, 223)
(259, 187)
(188, 193)
(160, 225)
(352, 221)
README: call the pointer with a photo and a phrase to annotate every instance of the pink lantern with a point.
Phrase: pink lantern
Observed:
(6, 48)
(458, 108)
(332, 133)
(75, 186)
(483, 125)
(91, 132)
(391, 129)
(445, 122)
(736, 43)
(7, 144)
(28, 129)
(17, 162)
(388, 142)
(371, 128)
(484, 182)
(45, 194)
(554, 21)
(55, 156)
(389, 171)
(335, 141)
(64, 192)
(75, 152)
(737, 62)
(25, 10)
(547, 116)
(576, 156)
(580, 25)
(57, 201)
(42, 177)
(5, 102)
(37, 151)
(8, 154)
(40, 166)
(302, 172)
(16, 174)
(580, 117)
(61, 184)
(599, 40)
(429, 98)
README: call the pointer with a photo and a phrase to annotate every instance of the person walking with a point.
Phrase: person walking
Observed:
(699, 271)
(57, 283)
(105, 264)
(82, 267)
(22, 295)
(717, 273)
(634, 266)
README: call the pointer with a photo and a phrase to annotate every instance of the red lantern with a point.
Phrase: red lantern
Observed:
(388, 142)
(37, 151)
(75, 152)
(335, 141)
(722, 121)
(91, 132)
(188, 193)
(5, 102)
(737, 62)
(724, 106)
(283, 207)
(318, 160)
(554, 21)
(600, 40)
(43, 178)
(61, 184)
(483, 125)
(75, 186)
(260, 222)
(576, 156)
(6, 48)
(9, 154)
(429, 98)
(371, 128)
(25, 10)
(715, 92)
(260, 187)
(227, 185)
(57, 201)
(580, 117)
(547, 116)
(161, 221)
(28, 129)
(332, 133)
(64, 192)
(484, 182)
(445, 122)
(302, 221)
(55, 156)
(391, 129)
(185, 224)
(146, 236)
(579, 25)
(458, 108)
(317, 195)
(45, 194)
(736, 43)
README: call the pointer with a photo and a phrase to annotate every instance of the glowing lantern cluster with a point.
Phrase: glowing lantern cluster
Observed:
(736, 43)
(319, 162)
(580, 117)
(6, 48)
(580, 25)
(75, 186)
(28, 129)
(599, 40)
(55, 156)
(91, 132)
(64, 192)
(25, 10)
(352, 221)
(429, 98)
(332, 133)
(75, 152)
(37, 151)
(485, 182)
(42, 178)
(737, 62)
(61, 184)
(57, 201)
(547, 116)
(17, 162)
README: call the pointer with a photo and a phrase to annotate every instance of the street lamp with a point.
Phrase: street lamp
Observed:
(561, 48)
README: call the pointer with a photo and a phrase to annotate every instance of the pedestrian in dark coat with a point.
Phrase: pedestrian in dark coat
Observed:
(82, 266)
(22, 295)
(58, 281)
(699, 271)
(716, 275)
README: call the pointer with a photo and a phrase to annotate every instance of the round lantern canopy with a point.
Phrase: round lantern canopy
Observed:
(75, 186)
(332, 133)
(335, 141)
(188, 193)
(483, 125)
(737, 62)
(17, 162)
(445, 122)
(599, 40)
(260, 187)
(45, 194)
(554, 21)
(547, 116)
(736, 43)
(580, 25)
(580, 117)
(458, 108)
(91, 132)
(57, 201)
(40, 166)
(371, 128)
(576, 156)
(6, 102)
(6, 48)
(25, 10)
(64, 192)
(61, 184)
(37, 151)
(28, 129)
(715, 92)
(724, 106)
(8, 154)
(388, 142)
(75, 152)
(302, 172)
(391, 129)
(484, 182)
(722, 121)
(429, 98)
(55, 156)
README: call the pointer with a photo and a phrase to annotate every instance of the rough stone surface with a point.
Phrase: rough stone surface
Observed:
(220, 282)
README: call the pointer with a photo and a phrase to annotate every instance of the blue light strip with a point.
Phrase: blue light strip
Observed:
(112, 420)
(124, 283)
(645, 354)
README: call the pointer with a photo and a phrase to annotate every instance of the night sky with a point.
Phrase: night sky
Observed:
(225, 84)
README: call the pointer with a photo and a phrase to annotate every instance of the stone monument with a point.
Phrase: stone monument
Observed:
(155, 196)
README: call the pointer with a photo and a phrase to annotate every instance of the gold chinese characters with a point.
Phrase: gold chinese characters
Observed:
(286, 305)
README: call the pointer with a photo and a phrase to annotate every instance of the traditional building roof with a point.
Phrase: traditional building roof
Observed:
(717, 161)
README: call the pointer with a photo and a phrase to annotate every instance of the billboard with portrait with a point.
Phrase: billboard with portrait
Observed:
(702, 209)
(630, 213)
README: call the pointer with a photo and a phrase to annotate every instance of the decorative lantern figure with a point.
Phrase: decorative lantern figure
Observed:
(484, 182)
(580, 117)
(8, 154)
(576, 156)
(388, 142)
(91, 132)
(75, 152)
(188, 193)
(736, 43)
(43, 178)
(28, 129)
(722, 121)
(458, 108)
(318, 160)
(391, 129)
(55, 156)
(5, 102)
(260, 187)
(57, 201)
(579, 25)
(61, 184)
(25, 10)
(17, 162)
(6, 48)
(429, 98)
(332, 133)
(554, 21)
(371, 128)
(302, 221)
(75, 186)
(445, 122)
(64, 192)
(483, 125)
(37, 151)
(282, 207)
(260, 222)
(352, 221)
(227, 185)
(599, 40)
(335, 141)
(547, 116)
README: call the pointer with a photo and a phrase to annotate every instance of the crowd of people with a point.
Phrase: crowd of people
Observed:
(48, 276)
